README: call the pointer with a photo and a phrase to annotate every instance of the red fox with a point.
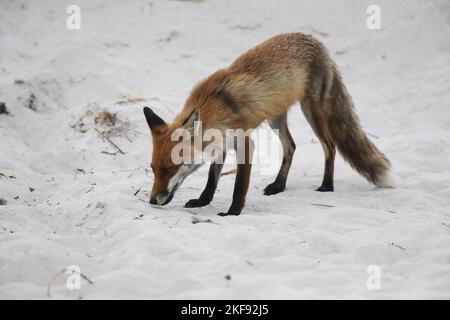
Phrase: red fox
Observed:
(262, 84)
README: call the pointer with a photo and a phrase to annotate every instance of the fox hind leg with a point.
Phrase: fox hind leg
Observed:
(318, 117)
(279, 125)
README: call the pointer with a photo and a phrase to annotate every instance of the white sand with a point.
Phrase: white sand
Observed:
(281, 246)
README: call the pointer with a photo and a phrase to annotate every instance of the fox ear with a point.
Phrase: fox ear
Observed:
(192, 122)
(154, 122)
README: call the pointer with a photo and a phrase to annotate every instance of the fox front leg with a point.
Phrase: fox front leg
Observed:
(242, 181)
(207, 195)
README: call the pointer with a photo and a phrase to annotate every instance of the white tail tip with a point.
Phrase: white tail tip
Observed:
(388, 180)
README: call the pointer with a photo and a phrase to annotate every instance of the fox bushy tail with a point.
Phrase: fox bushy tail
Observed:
(352, 142)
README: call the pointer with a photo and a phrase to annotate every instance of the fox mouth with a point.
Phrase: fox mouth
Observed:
(170, 196)
(162, 200)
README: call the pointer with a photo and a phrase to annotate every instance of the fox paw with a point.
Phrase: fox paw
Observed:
(224, 214)
(195, 203)
(323, 188)
(274, 188)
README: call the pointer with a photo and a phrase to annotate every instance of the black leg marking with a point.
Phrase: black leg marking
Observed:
(242, 181)
(288, 144)
(208, 193)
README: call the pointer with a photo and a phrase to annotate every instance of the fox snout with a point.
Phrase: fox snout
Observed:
(162, 199)
(161, 194)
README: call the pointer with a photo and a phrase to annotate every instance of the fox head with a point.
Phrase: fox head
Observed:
(168, 175)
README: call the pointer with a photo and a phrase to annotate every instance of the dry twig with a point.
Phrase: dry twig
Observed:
(137, 191)
(109, 140)
(232, 171)
(322, 205)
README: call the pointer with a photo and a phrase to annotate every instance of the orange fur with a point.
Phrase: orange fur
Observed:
(265, 81)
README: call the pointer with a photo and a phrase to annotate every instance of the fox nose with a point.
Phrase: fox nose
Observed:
(153, 201)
